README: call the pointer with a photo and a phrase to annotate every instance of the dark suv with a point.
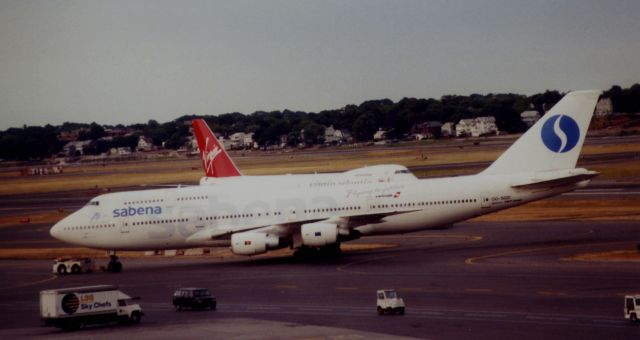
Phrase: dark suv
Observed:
(195, 298)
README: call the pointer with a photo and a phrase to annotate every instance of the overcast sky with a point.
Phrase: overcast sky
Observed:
(130, 61)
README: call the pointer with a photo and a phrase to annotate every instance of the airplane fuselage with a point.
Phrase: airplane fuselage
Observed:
(173, 218)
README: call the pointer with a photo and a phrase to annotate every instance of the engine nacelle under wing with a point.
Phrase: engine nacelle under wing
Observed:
(319, 234)
(253, 243)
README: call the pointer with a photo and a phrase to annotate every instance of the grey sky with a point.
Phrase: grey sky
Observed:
(131, 61)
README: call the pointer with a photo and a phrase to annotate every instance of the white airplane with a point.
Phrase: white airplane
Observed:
(255, 214)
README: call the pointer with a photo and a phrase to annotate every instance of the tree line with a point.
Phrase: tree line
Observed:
(362, 121)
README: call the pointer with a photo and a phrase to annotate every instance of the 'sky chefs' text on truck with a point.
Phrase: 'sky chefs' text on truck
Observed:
(72, 308)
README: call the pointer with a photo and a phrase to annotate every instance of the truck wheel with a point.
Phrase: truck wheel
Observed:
(401, 311)
(633, 317)
(178, 307)
(380, 311)
(135, 318)
(62, 269)
(75, 269)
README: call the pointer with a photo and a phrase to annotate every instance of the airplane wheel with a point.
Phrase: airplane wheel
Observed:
(114, 267)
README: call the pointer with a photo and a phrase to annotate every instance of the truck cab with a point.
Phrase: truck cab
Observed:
(632, 307)
(389, 302)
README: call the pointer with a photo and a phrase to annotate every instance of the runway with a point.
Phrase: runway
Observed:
(478, 280)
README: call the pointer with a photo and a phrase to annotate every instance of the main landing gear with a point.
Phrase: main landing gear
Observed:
(114, 266)
(326, 252)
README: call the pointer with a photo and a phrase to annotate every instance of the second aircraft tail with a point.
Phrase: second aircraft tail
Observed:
(215, 160)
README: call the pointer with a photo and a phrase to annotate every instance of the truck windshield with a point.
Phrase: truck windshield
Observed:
(390, 294)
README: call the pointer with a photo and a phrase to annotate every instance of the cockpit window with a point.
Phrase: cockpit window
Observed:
(96, 203)
(405, 171)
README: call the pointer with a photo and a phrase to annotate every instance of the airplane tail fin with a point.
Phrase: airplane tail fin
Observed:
(215, 160)
(555, 141)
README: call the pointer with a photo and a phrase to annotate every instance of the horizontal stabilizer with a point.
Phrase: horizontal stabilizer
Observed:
(546, 183)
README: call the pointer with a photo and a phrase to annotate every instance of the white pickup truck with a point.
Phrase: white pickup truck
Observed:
(632, 308)
(74, 308)
(72, 265)
(389, 302)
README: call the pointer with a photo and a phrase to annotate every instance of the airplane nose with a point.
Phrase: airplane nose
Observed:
(56, 231)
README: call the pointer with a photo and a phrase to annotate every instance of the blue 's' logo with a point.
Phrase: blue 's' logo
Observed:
(560, 133)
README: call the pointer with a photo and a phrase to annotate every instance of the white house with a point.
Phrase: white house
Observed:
(122, 151)
(380, 135)
(145, 144)
(604, 107)
(448, 129)
(479, 126)
(241, 140)
(77, 147)
(332, 135)
(464, 127)
(530, 117)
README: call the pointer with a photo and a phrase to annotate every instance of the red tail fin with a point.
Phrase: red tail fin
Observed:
(215, 160)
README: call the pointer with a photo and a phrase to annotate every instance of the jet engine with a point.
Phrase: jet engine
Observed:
(319, 234)
(252, 243)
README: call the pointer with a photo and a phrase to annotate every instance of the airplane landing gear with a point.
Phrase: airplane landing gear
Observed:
(326, 252)
(114, 266)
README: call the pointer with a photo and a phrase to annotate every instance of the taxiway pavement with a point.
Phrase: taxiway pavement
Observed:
(475, 280)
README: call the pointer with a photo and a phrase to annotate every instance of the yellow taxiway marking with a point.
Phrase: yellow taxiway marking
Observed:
(342, 268)
(473, 260)
(552, 293)
(50, 278)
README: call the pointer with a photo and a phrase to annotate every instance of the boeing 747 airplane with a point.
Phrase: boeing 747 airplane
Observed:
(255, 214)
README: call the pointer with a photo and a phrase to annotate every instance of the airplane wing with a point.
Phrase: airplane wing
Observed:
(350, 222)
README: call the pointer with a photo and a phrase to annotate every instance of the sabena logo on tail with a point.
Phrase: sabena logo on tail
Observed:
(560, 133)
(552, 143)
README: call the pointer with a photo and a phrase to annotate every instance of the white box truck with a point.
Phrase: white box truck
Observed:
(73, 308)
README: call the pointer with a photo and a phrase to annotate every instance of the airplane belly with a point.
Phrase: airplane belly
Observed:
(408, 222)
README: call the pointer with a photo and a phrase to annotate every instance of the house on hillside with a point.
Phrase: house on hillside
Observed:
(463, 128)
(336, 136)
(530, 117)
(145, 144)
(427, 130)
(448, 129)
(380, 135)
(76, 148)
(241, 140)
(480, 126)
(604, 107)
(121, 151)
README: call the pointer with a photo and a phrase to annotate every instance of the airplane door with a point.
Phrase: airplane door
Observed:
(485, 200)
(124, 227)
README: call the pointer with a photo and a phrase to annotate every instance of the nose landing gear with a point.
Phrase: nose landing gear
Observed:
(114, 266)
